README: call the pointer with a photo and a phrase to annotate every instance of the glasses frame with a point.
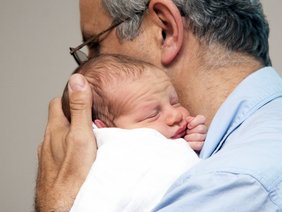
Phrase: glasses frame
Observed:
(79, 56)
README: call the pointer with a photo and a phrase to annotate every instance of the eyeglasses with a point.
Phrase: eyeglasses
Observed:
(79, 56)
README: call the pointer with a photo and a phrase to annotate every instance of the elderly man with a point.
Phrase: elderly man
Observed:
(216, 53)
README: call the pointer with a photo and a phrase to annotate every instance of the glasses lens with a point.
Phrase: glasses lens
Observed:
(81, 56)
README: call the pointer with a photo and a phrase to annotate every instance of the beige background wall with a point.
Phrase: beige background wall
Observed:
(35, 63)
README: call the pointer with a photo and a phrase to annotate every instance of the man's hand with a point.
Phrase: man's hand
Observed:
(196, 132)
(68, 150)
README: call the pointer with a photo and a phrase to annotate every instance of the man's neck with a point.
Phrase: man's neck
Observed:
(205, 75)
(213, 86)
(208, 76)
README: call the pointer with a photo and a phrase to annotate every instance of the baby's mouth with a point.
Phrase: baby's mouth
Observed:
(180, 133)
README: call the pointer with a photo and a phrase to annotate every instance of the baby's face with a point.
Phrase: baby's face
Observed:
(152, 102)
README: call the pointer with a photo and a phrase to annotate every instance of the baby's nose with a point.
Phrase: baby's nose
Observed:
(174, 117)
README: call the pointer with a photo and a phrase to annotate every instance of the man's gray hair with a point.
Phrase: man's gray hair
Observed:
(237, 25)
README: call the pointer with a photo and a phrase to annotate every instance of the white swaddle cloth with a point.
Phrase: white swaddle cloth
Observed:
(132, 171)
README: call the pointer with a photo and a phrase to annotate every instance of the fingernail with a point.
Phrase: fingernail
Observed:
(76, 82)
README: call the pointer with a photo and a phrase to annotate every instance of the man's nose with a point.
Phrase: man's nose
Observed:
(174, 116)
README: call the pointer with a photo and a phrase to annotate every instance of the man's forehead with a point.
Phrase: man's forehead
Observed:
(93, 15)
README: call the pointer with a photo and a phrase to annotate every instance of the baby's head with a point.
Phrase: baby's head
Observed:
(128, 93)
(105, 75)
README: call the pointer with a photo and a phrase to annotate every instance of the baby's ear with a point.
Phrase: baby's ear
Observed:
(99, 123)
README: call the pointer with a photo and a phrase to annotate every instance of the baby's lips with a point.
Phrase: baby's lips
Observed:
(180, 132)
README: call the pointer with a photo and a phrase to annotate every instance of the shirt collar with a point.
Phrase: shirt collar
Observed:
(256, 90)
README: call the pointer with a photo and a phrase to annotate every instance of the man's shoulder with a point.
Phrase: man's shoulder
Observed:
(247, 165)
(239, 177)
(254, 148)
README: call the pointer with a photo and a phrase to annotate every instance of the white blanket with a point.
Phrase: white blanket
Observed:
(132, 171)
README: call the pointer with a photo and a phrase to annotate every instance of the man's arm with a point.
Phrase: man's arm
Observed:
(68, 150)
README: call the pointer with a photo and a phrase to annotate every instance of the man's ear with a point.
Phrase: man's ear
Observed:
(99, 123)
(169, 18)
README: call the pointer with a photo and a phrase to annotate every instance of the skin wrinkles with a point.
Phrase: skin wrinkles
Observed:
(143, 98)
(190, 74)
(136, 48)
(92, 26)
(202, 74)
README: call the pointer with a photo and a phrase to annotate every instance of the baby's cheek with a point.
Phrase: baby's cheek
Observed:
(185, 112)
(163, 129)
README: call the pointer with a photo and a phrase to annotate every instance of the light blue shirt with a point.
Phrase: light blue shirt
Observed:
(242, 166)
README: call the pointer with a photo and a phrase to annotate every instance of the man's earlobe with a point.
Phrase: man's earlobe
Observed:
(170, 20)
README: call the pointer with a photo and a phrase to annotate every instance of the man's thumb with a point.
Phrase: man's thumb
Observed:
(80, 100)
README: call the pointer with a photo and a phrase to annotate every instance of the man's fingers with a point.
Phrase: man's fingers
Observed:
(57, 128)
(56, 118)
(68, 149)
(81, 143)
(39, 147)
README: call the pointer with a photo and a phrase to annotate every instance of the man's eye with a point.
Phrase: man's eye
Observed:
(94, 44)
(94, 47)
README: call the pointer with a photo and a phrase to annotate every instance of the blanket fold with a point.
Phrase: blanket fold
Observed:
(132, 171)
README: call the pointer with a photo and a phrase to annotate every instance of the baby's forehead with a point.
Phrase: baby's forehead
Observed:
(146, 73)
(111, 76)
(155, 72)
